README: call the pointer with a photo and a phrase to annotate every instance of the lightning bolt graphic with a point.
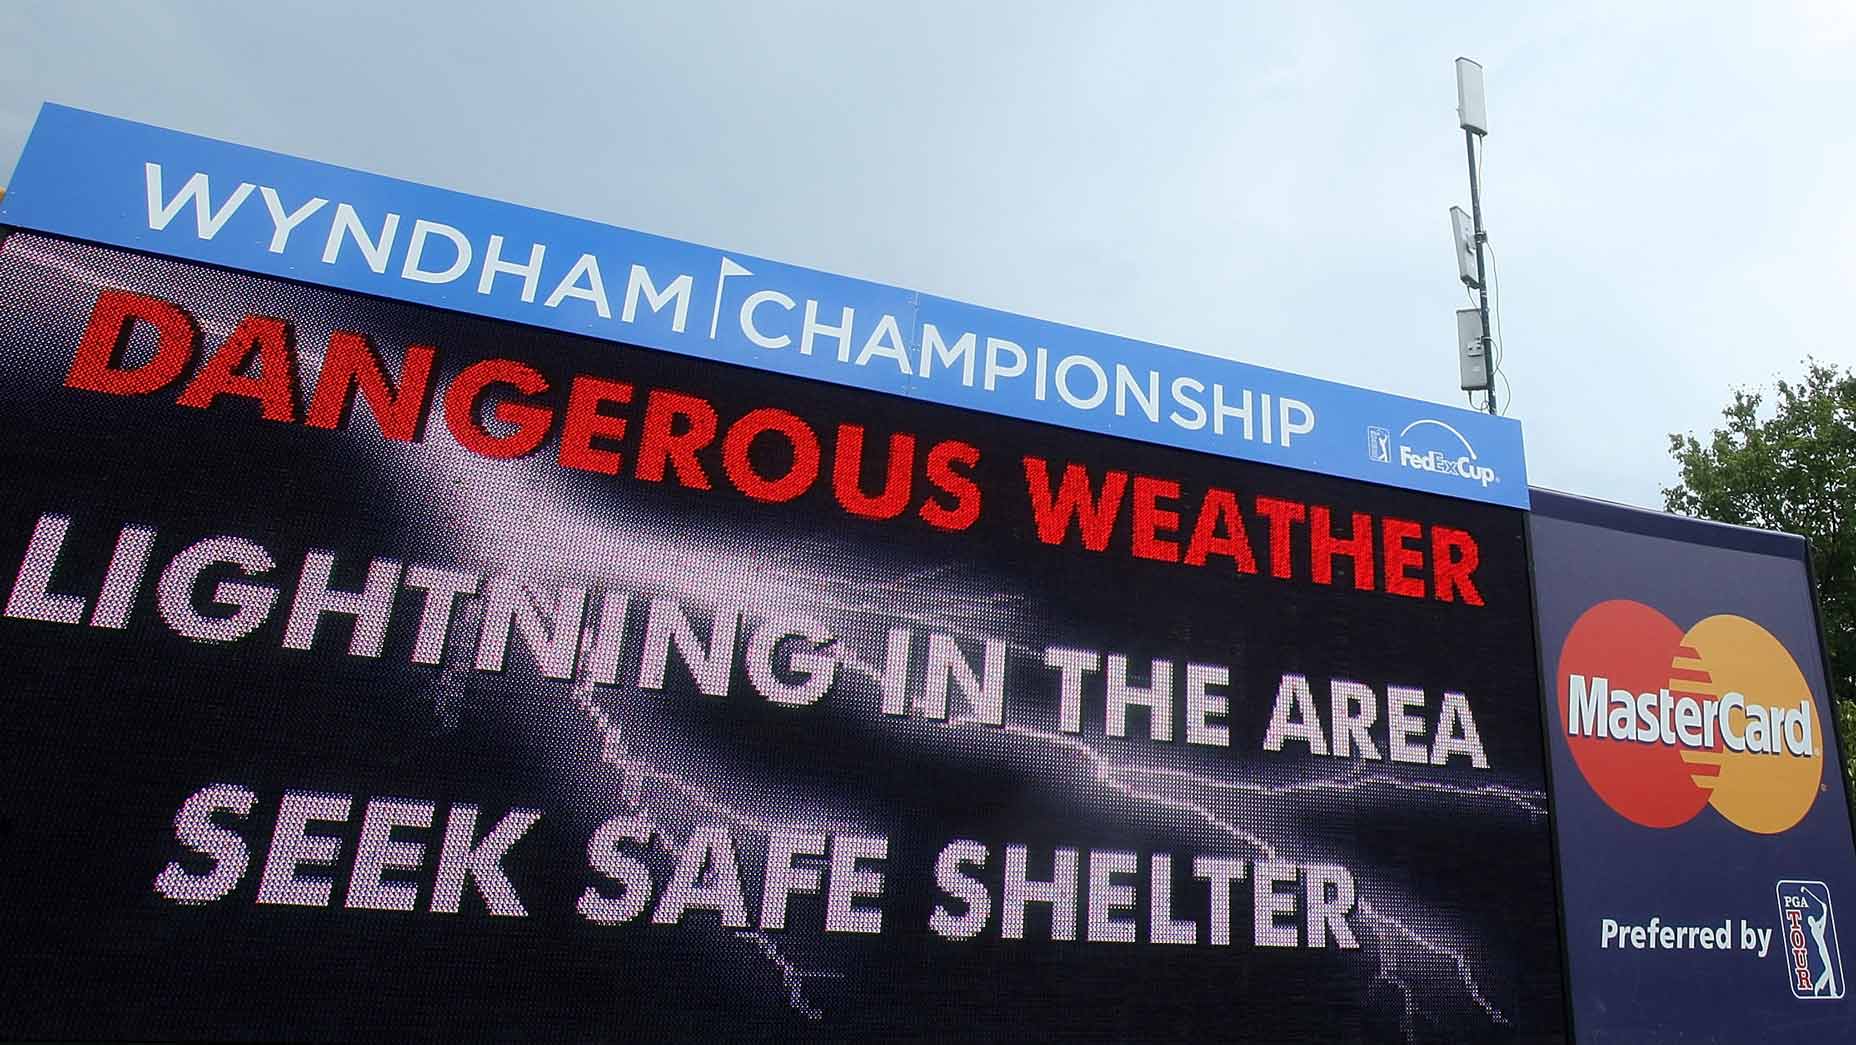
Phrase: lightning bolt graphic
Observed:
(1115, 778)
(634, 772)
(627, 546)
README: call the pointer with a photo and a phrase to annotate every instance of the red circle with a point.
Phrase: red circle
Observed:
(1630, 645)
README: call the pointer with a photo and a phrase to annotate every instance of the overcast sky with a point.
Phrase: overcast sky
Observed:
(1669, 187)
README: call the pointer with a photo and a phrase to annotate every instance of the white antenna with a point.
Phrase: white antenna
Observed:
(1472, 357)
(1471, 113)
(1473, 117)
(1464, 230)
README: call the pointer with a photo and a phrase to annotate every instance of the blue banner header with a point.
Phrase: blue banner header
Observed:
(113, 181)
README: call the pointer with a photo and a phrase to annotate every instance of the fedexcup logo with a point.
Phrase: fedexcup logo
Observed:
(1663, 721)
(1430, 445)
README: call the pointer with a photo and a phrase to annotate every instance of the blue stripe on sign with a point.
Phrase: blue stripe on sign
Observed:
(113, 181)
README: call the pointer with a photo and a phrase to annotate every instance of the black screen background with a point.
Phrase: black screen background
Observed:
(106, 732)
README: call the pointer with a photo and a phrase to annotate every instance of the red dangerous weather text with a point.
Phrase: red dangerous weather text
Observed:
(656, 435)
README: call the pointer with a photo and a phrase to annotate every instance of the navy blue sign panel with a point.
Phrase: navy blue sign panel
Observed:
(131, 185)
(1704, 831)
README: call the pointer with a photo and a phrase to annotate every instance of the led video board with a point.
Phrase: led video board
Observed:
(375, 668)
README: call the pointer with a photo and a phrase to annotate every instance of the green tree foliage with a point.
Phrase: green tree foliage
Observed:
(1795, 471)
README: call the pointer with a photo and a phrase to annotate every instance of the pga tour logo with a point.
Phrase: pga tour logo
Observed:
(1450, 453)
(1378, 444)
(1808, 929)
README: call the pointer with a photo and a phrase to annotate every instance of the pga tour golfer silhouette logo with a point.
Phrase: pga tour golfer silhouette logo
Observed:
(1663, 721)
(1378, 444)
(1813, 962)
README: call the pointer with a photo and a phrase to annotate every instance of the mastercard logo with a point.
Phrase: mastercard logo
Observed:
(1662, 721)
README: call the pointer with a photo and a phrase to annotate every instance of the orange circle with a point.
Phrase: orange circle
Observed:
(1764, 791)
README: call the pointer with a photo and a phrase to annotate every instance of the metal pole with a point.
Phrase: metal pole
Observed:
(1482, 277)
